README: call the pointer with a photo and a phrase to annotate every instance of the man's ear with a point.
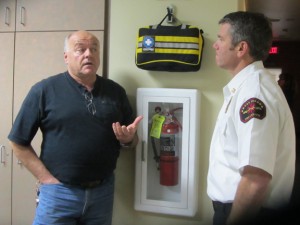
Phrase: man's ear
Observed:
(65, 58)
(243, 48)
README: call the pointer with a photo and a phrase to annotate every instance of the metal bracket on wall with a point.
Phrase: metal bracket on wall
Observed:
(171, 17)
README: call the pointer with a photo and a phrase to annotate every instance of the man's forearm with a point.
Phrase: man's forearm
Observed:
(31, 161)
(250, 195)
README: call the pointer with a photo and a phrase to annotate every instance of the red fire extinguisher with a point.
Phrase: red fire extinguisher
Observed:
(168, 159)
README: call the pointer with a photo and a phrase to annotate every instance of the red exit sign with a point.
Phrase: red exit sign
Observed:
(273, 50)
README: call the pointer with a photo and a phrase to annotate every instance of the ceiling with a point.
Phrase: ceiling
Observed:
(284, 14)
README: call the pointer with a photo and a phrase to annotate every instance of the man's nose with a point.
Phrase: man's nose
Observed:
(88, 52)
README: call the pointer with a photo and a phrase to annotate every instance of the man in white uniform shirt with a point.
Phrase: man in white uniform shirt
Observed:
(252, 153)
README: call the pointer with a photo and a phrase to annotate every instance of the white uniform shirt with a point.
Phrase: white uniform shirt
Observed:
(254, 127)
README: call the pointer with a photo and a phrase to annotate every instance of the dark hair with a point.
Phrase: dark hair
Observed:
(254, 28)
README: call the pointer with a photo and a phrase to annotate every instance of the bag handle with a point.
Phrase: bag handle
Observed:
(169, 16)
(183, 26)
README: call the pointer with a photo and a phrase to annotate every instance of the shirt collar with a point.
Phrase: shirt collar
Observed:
(234, 84)
(81, 87)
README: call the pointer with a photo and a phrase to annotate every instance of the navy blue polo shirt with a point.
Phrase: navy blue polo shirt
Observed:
(77, 146)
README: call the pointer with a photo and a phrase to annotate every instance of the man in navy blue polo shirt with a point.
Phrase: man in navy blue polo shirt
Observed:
(85, 120)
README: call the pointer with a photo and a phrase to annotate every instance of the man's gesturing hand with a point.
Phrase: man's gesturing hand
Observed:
(125, 134)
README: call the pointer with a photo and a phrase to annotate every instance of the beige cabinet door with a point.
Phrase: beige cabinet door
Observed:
(38, 55)
(55, 15)
(6, 87)
(7, 15)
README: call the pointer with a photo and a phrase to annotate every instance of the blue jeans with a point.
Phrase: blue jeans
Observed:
(62, 204)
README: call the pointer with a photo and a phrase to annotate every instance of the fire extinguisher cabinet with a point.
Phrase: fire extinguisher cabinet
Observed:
(166, 169)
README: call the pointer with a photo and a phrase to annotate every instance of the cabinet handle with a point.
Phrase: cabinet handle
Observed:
(3, 153)
(22, 13)
(7, 15)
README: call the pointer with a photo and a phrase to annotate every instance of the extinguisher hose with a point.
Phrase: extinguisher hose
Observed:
(175, 119)
(156, 156)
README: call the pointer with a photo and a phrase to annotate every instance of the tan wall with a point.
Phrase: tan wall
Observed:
(126, 16)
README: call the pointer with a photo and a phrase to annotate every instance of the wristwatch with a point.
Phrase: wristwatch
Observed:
(126, 145)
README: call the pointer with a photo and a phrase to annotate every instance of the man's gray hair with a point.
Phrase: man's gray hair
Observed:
(66, 43)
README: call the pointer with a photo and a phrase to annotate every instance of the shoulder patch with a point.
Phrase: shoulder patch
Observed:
(252, 108)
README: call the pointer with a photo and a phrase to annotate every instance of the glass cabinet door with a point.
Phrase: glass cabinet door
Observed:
(166, 159)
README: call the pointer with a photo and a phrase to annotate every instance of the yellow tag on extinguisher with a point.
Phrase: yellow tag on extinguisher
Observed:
(157, 122)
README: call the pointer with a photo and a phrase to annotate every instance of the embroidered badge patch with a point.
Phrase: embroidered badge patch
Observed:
(252, 108)
(148, 44)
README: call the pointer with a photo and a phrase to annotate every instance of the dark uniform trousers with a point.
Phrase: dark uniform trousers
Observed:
(265, 216)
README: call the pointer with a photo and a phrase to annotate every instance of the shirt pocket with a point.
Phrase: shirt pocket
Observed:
(229, 141)
(223, 130)
(108, 113)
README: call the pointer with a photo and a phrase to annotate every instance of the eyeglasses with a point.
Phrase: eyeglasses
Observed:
(90, 105)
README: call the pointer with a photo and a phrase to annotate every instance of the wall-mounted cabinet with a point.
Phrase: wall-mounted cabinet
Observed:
(167, 154)
(51, 15)
(32, 35)
(59, 15)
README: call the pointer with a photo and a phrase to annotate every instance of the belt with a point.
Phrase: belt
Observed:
(88, 184)
(91, 184)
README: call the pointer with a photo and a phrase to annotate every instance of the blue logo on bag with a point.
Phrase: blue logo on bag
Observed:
(148, 43)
